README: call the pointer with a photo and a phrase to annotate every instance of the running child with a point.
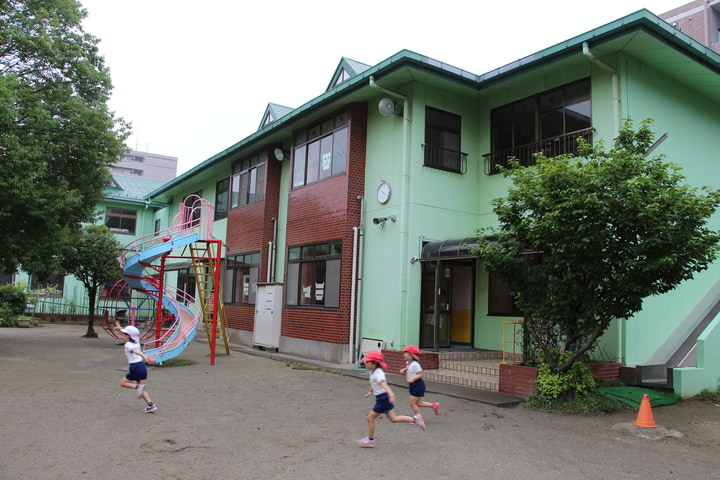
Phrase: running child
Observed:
(384, 398)
(137, 369)
(413, 373)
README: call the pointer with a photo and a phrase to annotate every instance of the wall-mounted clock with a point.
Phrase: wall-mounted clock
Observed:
(383, 192)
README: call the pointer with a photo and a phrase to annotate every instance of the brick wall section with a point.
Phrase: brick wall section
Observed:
(519, 379)
(396, 361)
(319, 212)
(250, 228)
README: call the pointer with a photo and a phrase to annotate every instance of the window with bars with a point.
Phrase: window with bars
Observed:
(549, 122)
(442, 141)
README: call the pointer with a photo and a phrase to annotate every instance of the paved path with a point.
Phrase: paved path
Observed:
(64, 416)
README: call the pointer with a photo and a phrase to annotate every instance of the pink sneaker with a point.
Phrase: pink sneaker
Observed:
(366, 442)
(436, 408)
(419, 421)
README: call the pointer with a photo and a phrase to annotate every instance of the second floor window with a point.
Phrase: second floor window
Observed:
(241, 277)
(320, 151)
(222, 198)
(442, 140)
(121, 220)
(549, 122)
(248, 181)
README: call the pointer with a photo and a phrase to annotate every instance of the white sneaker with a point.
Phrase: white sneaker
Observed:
(139, 389)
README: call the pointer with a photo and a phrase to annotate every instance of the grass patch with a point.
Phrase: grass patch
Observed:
(177, 362)
(709, 395)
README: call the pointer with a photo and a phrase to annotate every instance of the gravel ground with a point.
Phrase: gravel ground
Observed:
(64, 416)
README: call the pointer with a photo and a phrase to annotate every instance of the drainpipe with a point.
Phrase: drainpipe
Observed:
(404, 199)
(616, 125)
(272, 251)
(354, 289)
(615, 85)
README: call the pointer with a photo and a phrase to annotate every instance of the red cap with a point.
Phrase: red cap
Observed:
(413, 350)
(375, 356)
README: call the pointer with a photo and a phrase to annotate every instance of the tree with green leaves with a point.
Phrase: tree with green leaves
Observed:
(92, 257)
(57, 135)
(582, 241)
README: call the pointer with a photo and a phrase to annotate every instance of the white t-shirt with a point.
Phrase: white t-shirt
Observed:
(132, 357)
(376, 377)
(413, 368)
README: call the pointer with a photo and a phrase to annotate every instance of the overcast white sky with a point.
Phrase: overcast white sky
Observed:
(194, 78)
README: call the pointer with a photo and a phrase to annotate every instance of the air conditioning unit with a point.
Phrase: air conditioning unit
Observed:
(369, 344)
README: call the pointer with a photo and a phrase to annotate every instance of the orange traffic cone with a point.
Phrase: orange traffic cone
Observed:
(645, 416)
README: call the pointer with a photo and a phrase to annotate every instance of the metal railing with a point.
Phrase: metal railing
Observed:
(445, 159)
(526, 153)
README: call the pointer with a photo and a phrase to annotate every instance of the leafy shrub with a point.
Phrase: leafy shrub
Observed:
(12, 303)
(14, 298)
(576, 381)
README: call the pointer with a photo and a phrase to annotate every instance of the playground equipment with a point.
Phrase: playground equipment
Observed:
(170, 315)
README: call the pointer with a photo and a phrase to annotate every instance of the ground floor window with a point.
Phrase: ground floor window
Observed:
(186, 283)
(314, 274)
(241, 277)
(52, 284)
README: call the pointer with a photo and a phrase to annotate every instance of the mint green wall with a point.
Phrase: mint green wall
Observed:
(692, 124)
(690, 381)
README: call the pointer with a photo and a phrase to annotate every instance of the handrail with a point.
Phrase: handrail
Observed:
(550, 147)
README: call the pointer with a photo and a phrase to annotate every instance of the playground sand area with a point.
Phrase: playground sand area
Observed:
(64, 416)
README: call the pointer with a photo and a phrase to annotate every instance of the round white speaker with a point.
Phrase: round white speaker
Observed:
(386, 107)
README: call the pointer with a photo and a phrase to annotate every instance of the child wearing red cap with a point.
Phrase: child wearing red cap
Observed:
(413, 373)
(384, 398)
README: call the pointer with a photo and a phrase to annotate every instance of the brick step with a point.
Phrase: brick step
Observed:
(478, 367)
(463, 379)
(476, 355)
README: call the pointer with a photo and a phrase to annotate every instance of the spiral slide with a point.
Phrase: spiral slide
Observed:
(184, 328)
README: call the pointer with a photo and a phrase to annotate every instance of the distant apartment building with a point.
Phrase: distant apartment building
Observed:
(700, 19)
(149, 166)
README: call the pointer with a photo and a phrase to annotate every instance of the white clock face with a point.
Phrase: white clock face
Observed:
(383, 193)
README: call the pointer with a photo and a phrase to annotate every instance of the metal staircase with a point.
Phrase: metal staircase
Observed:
(205, 257)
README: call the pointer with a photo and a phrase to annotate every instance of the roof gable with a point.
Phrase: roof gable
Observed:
(346, 70)
(272, 113)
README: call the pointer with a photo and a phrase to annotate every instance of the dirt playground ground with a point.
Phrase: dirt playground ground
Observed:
(64, 416)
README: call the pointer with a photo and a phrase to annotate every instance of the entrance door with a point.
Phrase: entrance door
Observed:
(446, 304)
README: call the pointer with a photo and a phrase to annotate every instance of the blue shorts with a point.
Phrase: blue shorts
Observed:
(138, 371)
(382, 403)
(417, 388)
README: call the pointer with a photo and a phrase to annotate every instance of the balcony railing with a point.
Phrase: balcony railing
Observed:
(526, 153)
(445, 159)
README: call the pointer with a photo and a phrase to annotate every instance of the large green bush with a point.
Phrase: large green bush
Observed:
(12, 303)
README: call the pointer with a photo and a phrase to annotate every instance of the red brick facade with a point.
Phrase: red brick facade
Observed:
(322, 211)
(519, 380)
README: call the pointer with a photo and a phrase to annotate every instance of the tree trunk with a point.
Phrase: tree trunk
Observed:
(92, 294)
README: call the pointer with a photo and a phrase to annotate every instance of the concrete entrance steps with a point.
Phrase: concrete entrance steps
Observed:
(478, 369)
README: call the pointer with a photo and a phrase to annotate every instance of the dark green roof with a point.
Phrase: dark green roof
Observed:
(612, 37)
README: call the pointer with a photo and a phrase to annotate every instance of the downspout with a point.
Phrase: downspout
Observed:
(616, 126)
(404, 208)
(272, 251)
(615, 84)
(354, 289)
